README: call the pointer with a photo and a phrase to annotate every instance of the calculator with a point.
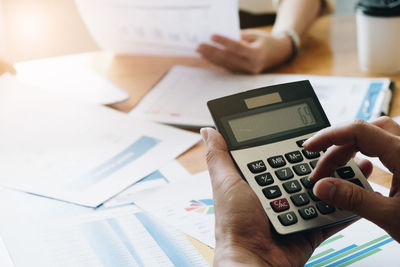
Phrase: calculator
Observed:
(264, 130)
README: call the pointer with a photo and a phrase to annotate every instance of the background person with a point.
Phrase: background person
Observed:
(258, 50)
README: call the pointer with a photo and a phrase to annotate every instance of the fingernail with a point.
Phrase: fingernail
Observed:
(204, 134)
(307, 141)
(324, 189)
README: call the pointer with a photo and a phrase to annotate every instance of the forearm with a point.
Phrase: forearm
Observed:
(296, 15)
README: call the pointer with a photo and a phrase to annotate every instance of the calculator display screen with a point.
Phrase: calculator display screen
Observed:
(272, 122)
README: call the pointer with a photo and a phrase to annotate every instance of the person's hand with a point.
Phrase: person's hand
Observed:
(6, 67)
(242, 231)
(377, 139)
(256, 52)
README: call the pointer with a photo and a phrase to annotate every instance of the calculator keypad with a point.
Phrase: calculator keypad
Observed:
(286, 187)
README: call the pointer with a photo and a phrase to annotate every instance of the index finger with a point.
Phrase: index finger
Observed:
(367, 138)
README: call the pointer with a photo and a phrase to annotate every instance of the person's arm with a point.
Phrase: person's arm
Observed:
(243, 234)
(380, 138)
(258, 50)
(296, 15)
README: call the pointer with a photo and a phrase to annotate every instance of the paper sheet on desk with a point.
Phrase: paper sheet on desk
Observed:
(181, 96)
(159, 27)
(117, 237)
(71, 77)
(83, 154)
(170, 173)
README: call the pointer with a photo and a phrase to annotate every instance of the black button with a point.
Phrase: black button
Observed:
(272, 192)
(300, 142)
(276, 162)
(284, 174)
(294, 157)
(302, 169)
(306, 182)
(292, 186)
(313, 197)
(300, 199)
(313, 163)
(325, 208)
(310, 155)
(288, 218)
(308, 212)
(257, 166)
(356, 182)
(264, 179)
(345, 172)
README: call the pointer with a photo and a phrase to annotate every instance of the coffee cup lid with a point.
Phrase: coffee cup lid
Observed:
(379, 8)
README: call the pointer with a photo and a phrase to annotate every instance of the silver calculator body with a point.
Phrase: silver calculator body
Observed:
(264, 129)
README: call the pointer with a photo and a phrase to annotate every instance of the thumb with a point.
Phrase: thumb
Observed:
(222, 170)
(351, 197)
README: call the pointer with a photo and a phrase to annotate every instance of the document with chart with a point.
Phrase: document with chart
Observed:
(160, 27)
(187, 205)
(118, 237)
(78, 153)
(181, 97)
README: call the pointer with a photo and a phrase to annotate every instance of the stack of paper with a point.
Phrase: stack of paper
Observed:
(78, 153)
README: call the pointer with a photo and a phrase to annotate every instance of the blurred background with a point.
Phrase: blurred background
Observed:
(31, 29)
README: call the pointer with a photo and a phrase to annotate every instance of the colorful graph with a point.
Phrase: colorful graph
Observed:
(205, 206)
(349, 254)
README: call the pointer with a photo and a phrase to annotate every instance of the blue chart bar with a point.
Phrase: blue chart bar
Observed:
(157, 175)
(130, 154)
(166, 242)
(330, 256)
(355, 255)
(106, 242)
(369, 101)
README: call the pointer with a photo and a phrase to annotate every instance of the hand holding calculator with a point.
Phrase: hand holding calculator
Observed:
(264, 130)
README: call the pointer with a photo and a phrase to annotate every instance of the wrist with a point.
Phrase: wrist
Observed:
(291, 41)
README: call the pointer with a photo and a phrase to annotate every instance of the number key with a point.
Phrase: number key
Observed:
(300, 199)
(306, 182)
(276, 162)
(292, 186)
(294, 157)
(257, 166)
(288, 218)
(308, 212)
(313, 163)
(284, 174)
(264, 179)
(302, 169)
